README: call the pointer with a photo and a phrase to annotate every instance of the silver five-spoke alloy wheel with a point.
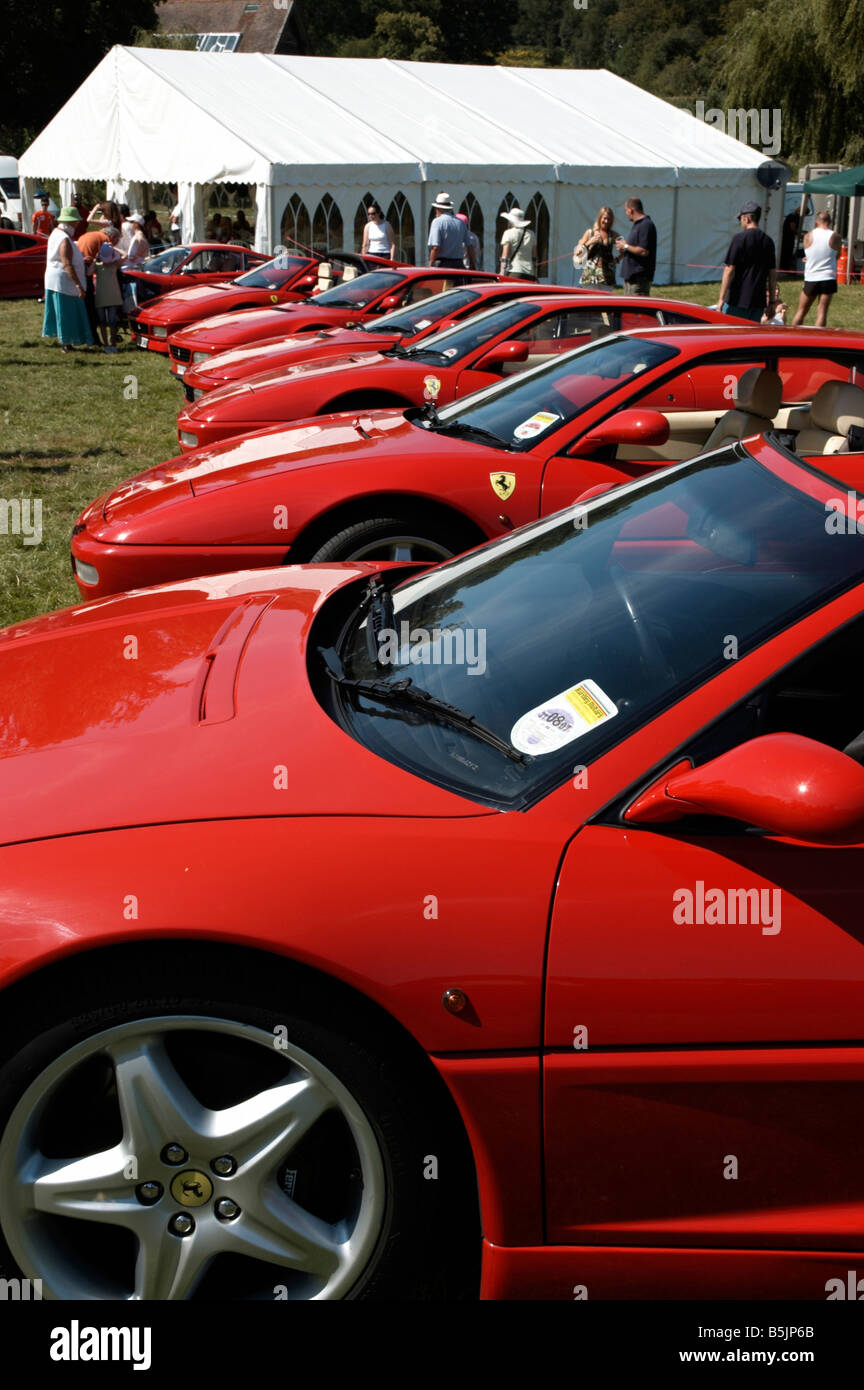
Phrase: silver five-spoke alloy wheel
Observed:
(118, 1181)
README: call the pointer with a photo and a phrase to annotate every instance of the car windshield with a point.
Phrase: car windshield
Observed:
(273, 273)
(360, 292)
(415, 317)
(11, 187)
(165, 262)
(523, 409)
(566, 636)
(452, 344)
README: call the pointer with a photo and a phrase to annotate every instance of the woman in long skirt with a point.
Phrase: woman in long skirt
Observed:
(65, 287)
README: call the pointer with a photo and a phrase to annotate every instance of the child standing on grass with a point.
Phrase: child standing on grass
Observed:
(108, 294)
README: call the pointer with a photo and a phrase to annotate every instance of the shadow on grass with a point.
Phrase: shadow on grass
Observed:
(21, 455)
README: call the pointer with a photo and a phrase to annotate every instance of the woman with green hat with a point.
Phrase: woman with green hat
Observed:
(65, 286)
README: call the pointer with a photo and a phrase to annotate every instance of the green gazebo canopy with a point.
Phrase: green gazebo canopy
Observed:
(849, 183)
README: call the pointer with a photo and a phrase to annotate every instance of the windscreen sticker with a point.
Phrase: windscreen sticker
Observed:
(450, 352)
(421, 323)
(536, 425)
(562, 719)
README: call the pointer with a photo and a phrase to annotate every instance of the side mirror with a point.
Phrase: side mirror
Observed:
(310, 279)
(646, 427)
(783, 783)
(498, 356)
(390, 301)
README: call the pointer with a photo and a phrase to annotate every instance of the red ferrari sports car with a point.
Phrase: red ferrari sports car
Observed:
(201, 263)
(286, 277)
(22, 264)
(406, 326)
(343, 909)
(505, 339)
(416, 484)
(340, 307)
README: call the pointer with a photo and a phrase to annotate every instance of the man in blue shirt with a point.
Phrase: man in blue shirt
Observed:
(639, 254)
(448, 237)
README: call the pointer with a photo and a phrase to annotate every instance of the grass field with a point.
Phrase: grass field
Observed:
(73, 425)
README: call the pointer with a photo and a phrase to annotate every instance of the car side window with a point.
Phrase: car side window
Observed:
(643, 318)
(421, 289)
(817, 696)
(563, 331)
(198, 263)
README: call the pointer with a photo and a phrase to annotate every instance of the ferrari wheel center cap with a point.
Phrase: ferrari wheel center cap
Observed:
(191, 1188)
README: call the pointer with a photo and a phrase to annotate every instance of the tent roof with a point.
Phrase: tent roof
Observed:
(149, 114)
(849, 183)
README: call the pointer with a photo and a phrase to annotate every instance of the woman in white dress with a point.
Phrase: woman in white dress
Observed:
(378, 238)
(65, 286)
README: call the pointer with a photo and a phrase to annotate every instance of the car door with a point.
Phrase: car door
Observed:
(704, 1073)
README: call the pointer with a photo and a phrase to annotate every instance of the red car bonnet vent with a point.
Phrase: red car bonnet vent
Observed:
(222, 660)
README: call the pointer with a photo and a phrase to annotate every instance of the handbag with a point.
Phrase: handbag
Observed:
(580, 256)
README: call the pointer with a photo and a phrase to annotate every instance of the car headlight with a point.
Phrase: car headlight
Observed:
(200, 356)
(88, 574)
(159, 330)
(187, 438)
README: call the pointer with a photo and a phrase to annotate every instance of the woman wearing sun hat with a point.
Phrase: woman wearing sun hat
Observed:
(518, 246)
(65, 286)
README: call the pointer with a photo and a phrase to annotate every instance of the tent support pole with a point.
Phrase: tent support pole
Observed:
(556, 236)
(673, 248)
(850, 237)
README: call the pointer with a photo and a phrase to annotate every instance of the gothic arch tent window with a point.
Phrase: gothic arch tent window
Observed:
(296, 227)
(401, 219)
(474, 213)
(295, 129)
(537, 214)
(327, 226)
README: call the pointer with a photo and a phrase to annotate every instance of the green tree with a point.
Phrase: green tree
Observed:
(805, 57)
(49, 49)
(408, 35)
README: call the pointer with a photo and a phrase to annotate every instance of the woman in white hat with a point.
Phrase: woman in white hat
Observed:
(518, 247)
(65, 286)
(139, 246)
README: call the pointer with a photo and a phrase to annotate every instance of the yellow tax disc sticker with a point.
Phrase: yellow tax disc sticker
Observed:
(568, 716)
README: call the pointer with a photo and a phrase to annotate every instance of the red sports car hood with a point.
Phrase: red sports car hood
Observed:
(278, 376)
(209, 333)
(253, 358)
(177, 300)
(223, 331)
(184, 702)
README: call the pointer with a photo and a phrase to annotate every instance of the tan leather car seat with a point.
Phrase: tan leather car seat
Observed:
(824, 429)
(756, 401)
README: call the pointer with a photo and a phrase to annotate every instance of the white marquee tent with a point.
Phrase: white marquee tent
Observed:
(328, 132)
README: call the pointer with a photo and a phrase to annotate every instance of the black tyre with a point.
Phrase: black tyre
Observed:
(220, 1139)
(403, 537)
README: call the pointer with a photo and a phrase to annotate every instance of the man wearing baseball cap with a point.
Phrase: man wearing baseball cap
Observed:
(749, 284)
(448, 237)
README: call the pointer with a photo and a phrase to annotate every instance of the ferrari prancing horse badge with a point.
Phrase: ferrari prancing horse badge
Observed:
(503, 484)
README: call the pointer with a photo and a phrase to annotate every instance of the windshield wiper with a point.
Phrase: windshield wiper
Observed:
(404, 692)
(398, 350)
(474, 432)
